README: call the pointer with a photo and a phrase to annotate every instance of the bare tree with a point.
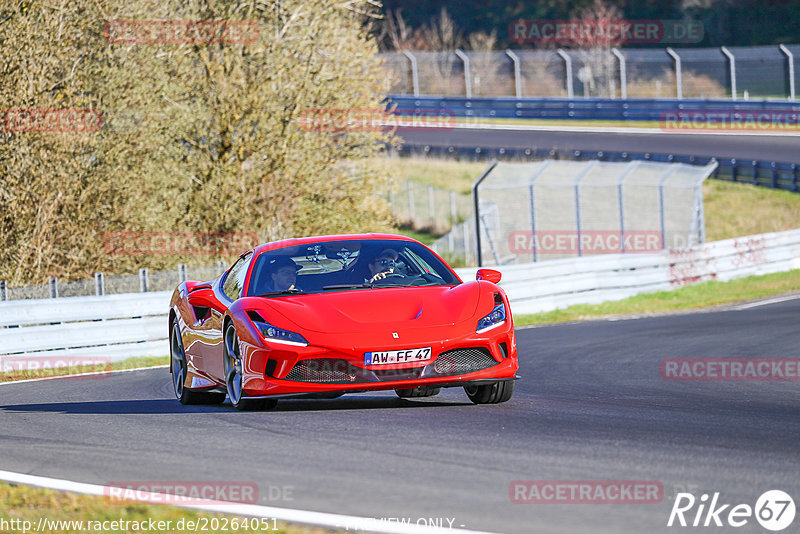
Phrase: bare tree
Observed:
(598, 70)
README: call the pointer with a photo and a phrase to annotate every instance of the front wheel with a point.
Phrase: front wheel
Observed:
(490, 393)
(179, 364)
(234, 375)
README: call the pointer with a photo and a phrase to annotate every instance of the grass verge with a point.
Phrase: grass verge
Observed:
(694, 297)
(24, 503)
(70, 365)
(450, 174)
(420, 235)
(590, 123)
(735, 210)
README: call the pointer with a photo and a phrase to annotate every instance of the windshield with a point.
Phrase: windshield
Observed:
(347, 265)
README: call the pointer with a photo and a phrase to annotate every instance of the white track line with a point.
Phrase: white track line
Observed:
(59, 377)
(327, 520)
(592, 129)
(651, 315)
(765, 302)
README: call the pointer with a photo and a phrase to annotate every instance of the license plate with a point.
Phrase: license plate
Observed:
(386, 357)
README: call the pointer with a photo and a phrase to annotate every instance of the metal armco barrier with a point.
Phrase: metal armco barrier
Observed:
(113, 326)
(121, 326)
(546, 286)
(633, 109)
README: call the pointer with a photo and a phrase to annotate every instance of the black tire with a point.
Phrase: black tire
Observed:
(233, 375)
(490, 393)
(178, 366)
(419, 391)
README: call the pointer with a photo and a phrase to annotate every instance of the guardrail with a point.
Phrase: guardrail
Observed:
(112, 327)
(777, 175)
(545, 286)
(119, 326)
(632, 109)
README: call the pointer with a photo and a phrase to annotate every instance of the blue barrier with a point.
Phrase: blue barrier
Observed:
(644, 109)
(761, 173)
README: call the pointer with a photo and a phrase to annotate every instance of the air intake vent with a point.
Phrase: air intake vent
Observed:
(461, 361)
(326, 370)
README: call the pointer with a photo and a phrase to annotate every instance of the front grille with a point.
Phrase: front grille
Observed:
(326, 370)
(461, 361)
(338, 371)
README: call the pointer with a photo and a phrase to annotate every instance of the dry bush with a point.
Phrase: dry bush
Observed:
(702, 86)
(198, 137)
(538, 80)
(663, 86)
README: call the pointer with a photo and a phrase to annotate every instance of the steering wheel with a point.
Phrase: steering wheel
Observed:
(391, 278)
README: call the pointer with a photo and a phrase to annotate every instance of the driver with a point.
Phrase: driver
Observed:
(383, 265)
(283, 273)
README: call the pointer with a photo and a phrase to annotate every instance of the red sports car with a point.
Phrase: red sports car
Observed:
(324, 316)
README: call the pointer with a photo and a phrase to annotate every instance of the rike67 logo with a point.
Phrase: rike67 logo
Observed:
(774, 510)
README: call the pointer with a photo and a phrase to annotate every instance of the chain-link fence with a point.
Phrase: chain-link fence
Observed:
(144, 281)
(426, 206)
(650, 73)
(556, 209)
(760, 72)
(738, 72)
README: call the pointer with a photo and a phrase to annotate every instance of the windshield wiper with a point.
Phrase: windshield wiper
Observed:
(284, 292)
(346, 286)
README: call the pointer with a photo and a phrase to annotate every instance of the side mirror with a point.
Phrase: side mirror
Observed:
(490, 275)
(203, 297)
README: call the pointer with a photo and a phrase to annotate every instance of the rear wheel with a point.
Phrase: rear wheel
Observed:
(490, 393)
(179, 365)
(233, 375)
(419, 391)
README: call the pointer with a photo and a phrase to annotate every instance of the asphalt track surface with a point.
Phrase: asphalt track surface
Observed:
(746, 147)
(590, 406)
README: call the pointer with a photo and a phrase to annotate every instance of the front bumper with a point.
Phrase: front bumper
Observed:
(274, 370)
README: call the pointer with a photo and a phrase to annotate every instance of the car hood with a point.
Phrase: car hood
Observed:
(364, 310)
